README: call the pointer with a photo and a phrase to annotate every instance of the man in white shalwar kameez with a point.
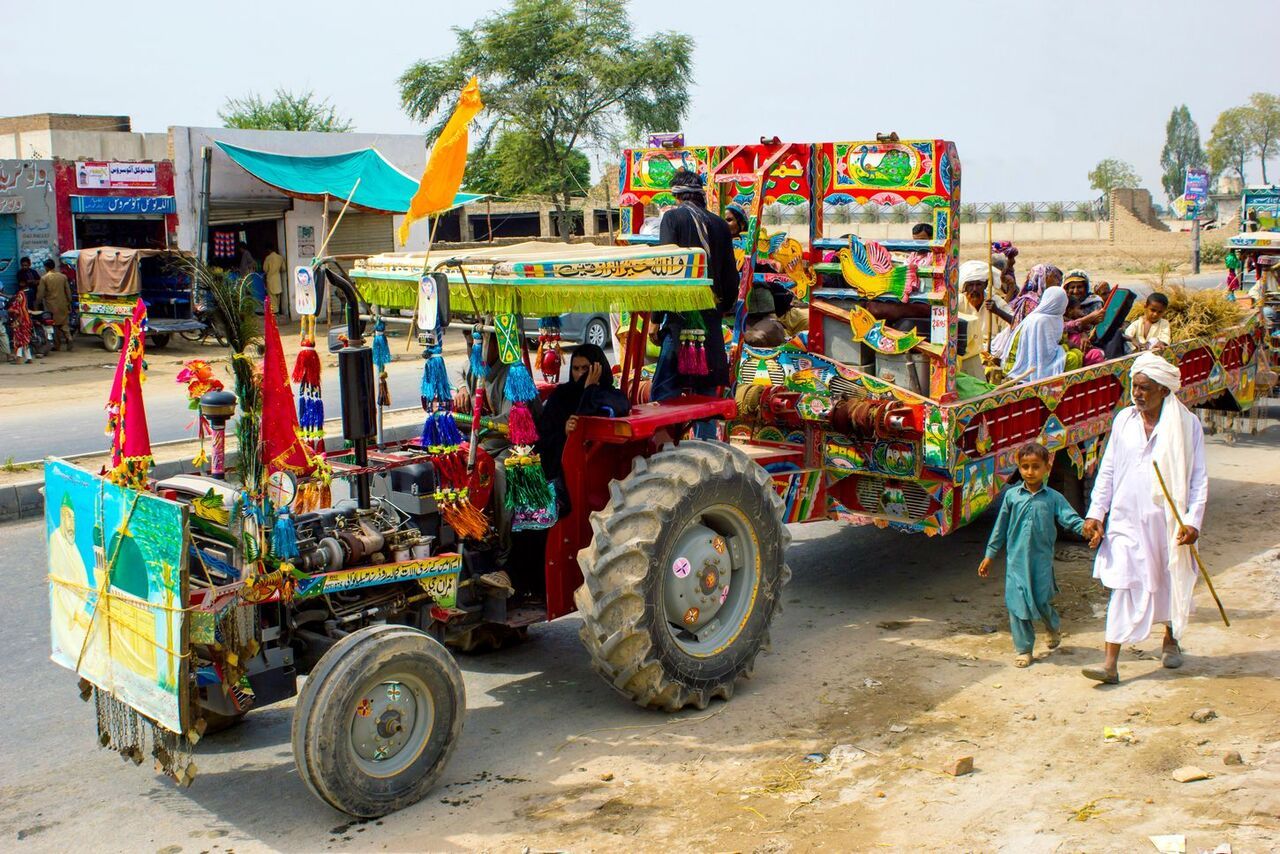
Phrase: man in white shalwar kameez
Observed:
(1145, 557)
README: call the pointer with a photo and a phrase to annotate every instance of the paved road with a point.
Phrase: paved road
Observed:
(58, 789)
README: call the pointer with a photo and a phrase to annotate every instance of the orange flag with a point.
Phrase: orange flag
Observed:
(443, 175)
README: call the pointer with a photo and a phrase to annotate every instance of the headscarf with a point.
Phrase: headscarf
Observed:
(1005, 248)
(973, 271)
(1174, 454)
(687, 184)
(739, 212)
(595, 356)
(1029, 297)
(1039, 354)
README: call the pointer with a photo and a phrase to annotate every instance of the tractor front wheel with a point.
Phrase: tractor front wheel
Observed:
(683, 575)
(377, 720)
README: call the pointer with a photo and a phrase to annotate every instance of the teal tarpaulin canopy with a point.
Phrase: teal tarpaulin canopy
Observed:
(383, 188)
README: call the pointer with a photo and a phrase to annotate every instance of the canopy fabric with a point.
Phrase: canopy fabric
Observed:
(111, 270)
(383, 188)
(539, 279)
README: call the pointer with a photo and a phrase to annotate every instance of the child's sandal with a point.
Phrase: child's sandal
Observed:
(1055, 639)
(1023, 660)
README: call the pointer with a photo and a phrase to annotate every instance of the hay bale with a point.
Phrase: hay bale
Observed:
(1194, 314)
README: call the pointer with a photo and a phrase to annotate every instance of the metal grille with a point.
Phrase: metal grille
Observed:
(871, 493)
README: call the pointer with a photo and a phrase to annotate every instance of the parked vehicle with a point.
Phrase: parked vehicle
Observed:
(110, 279)
(576, 328)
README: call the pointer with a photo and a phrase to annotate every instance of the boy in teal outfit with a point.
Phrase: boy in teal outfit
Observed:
(1027, 525)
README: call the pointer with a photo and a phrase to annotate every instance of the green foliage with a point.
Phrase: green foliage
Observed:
(1231, 141)
(999, 212)
(512, 167)
(1085, 213)
(1213, 253)
(286, 111)
(1181, 151)
(1263, 119)
(565, 74)
(872, 213)
(1112, 173)
(900, 213)
(969, 213)
(1055, 211)
(1026, 212)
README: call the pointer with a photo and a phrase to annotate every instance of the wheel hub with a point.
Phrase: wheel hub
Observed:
(384, 719)
(698, 580)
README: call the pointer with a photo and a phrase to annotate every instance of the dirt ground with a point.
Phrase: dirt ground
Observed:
(845, 749)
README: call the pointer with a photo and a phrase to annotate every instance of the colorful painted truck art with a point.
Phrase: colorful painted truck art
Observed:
(868, 424)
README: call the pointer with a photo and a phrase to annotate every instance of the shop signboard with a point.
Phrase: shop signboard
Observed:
(104, 175)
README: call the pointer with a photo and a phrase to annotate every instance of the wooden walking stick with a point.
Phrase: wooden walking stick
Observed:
(991, 288)
(1195, 553)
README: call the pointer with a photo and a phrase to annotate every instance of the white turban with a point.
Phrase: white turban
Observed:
(975, 271)
(1156, 369)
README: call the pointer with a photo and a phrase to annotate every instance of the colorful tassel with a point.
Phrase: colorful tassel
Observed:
(529, 497)
(384, 391)
(284, 538)
(477, 366)
(306, 374)
(520, 387)
(520, 427)
(440, 431)
(381, 349)
(435, 377)
(459, 514)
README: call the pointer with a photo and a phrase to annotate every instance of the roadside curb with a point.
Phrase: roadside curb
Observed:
(25, 500)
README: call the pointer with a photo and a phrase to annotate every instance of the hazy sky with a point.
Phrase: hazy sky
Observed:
(1034, 92)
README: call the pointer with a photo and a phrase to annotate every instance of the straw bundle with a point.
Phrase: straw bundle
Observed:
(1193, 314)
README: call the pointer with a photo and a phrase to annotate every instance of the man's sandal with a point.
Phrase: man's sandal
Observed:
(1106, 677)
(1055, 639)
(1171, 657)
(1023, 660)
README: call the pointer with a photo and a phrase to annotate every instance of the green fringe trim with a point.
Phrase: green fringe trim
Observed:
(527, 486)
(539, 299)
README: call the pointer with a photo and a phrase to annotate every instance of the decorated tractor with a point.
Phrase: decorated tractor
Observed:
(359, 566)
(227, 589)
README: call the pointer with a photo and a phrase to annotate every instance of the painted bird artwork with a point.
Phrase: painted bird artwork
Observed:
(211, 507)
(868, 268)
(883, 339)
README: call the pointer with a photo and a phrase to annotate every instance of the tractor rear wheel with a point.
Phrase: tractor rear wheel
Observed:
(683, 575)
(377, 719)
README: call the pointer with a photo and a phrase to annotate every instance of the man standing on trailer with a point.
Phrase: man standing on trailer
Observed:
(1145, 560)
(691, 225)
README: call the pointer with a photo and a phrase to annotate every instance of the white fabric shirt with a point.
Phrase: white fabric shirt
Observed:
(1136, 546)
(1142, 335)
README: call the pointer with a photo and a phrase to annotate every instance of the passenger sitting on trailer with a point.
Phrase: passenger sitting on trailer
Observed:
(1084, 312)
(498, 446)
(919, 231)
(979, 314)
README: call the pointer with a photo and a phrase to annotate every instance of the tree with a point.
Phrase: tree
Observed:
(566, 74)
(1181, 151)
(510, 167)
(1264, 126)
(1231, 141)
(1112, 173)
(286, 111)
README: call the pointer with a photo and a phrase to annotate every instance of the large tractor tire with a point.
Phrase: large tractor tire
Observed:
(377, 720)
(683, 575)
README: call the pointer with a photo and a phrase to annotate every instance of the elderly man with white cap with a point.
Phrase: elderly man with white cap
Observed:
(1143, 559)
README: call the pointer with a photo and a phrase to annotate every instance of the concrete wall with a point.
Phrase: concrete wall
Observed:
(407, 152)
(84, 145)
(31, 184)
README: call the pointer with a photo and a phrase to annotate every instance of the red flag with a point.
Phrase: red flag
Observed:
(282, 447)
(126, 414)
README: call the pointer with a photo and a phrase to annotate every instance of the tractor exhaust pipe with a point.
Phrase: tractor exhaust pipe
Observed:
(355, 380)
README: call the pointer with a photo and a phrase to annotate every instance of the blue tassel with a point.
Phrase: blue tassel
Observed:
(284, 539)
(427, 437)
(381, 349)
(435, 378)
(446, 429)
(520, 387)
(477, 366)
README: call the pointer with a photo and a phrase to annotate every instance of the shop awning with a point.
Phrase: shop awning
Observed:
(383, 188)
